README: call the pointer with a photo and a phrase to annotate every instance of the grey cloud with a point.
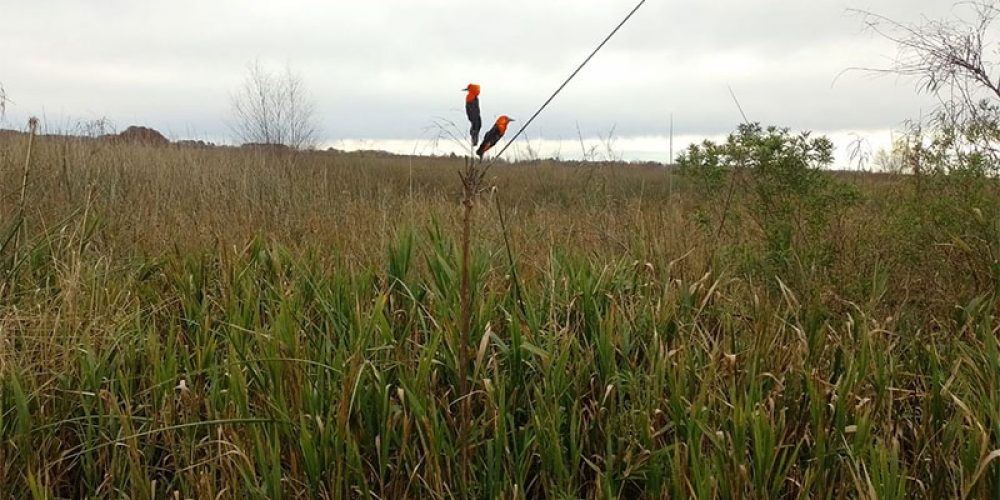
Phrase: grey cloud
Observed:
(386, 69)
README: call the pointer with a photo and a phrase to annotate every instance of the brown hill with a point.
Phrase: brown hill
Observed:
(140, 135)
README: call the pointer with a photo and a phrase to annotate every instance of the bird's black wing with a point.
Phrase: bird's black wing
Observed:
(489, 140)
(475, 119)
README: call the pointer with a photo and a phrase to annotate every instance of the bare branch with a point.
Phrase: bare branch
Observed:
(954, 60)
(274, 109)
(943, 54)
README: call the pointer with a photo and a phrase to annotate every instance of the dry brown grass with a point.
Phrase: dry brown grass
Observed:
(221, 322)
(154, 200)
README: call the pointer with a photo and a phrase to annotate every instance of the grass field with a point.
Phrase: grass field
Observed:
(218, 323)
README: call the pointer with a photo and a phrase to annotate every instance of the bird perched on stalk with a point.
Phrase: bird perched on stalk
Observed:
(472, 111)
(494, 135)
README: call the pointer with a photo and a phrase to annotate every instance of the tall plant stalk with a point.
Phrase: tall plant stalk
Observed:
(472, 179)
(32, 130)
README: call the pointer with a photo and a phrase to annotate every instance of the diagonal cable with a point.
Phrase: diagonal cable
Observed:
(561, 87)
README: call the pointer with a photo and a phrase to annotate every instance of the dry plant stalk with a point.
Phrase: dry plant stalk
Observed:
(472, 181)
(32, 130)
(472, 184)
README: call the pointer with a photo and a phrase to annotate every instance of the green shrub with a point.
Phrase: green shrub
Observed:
(779, 178)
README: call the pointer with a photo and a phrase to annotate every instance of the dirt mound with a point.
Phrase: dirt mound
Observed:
(141, 135)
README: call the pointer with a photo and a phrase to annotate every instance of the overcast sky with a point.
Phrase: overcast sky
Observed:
(381, 71)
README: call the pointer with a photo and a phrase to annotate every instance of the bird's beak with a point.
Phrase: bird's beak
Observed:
(511, 120)
(466, 89)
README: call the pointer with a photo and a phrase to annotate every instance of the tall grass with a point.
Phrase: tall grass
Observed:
(216, 323)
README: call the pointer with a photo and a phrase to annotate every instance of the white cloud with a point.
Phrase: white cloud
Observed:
(848, 144)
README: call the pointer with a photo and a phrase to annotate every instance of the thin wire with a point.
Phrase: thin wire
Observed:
(738, 106)
(561, 87)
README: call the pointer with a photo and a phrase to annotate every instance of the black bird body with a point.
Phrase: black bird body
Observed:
(472, 111)
(494, 135)
(475, 119)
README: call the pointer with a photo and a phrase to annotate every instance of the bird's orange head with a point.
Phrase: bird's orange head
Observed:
(473, 92)
(502, 123)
